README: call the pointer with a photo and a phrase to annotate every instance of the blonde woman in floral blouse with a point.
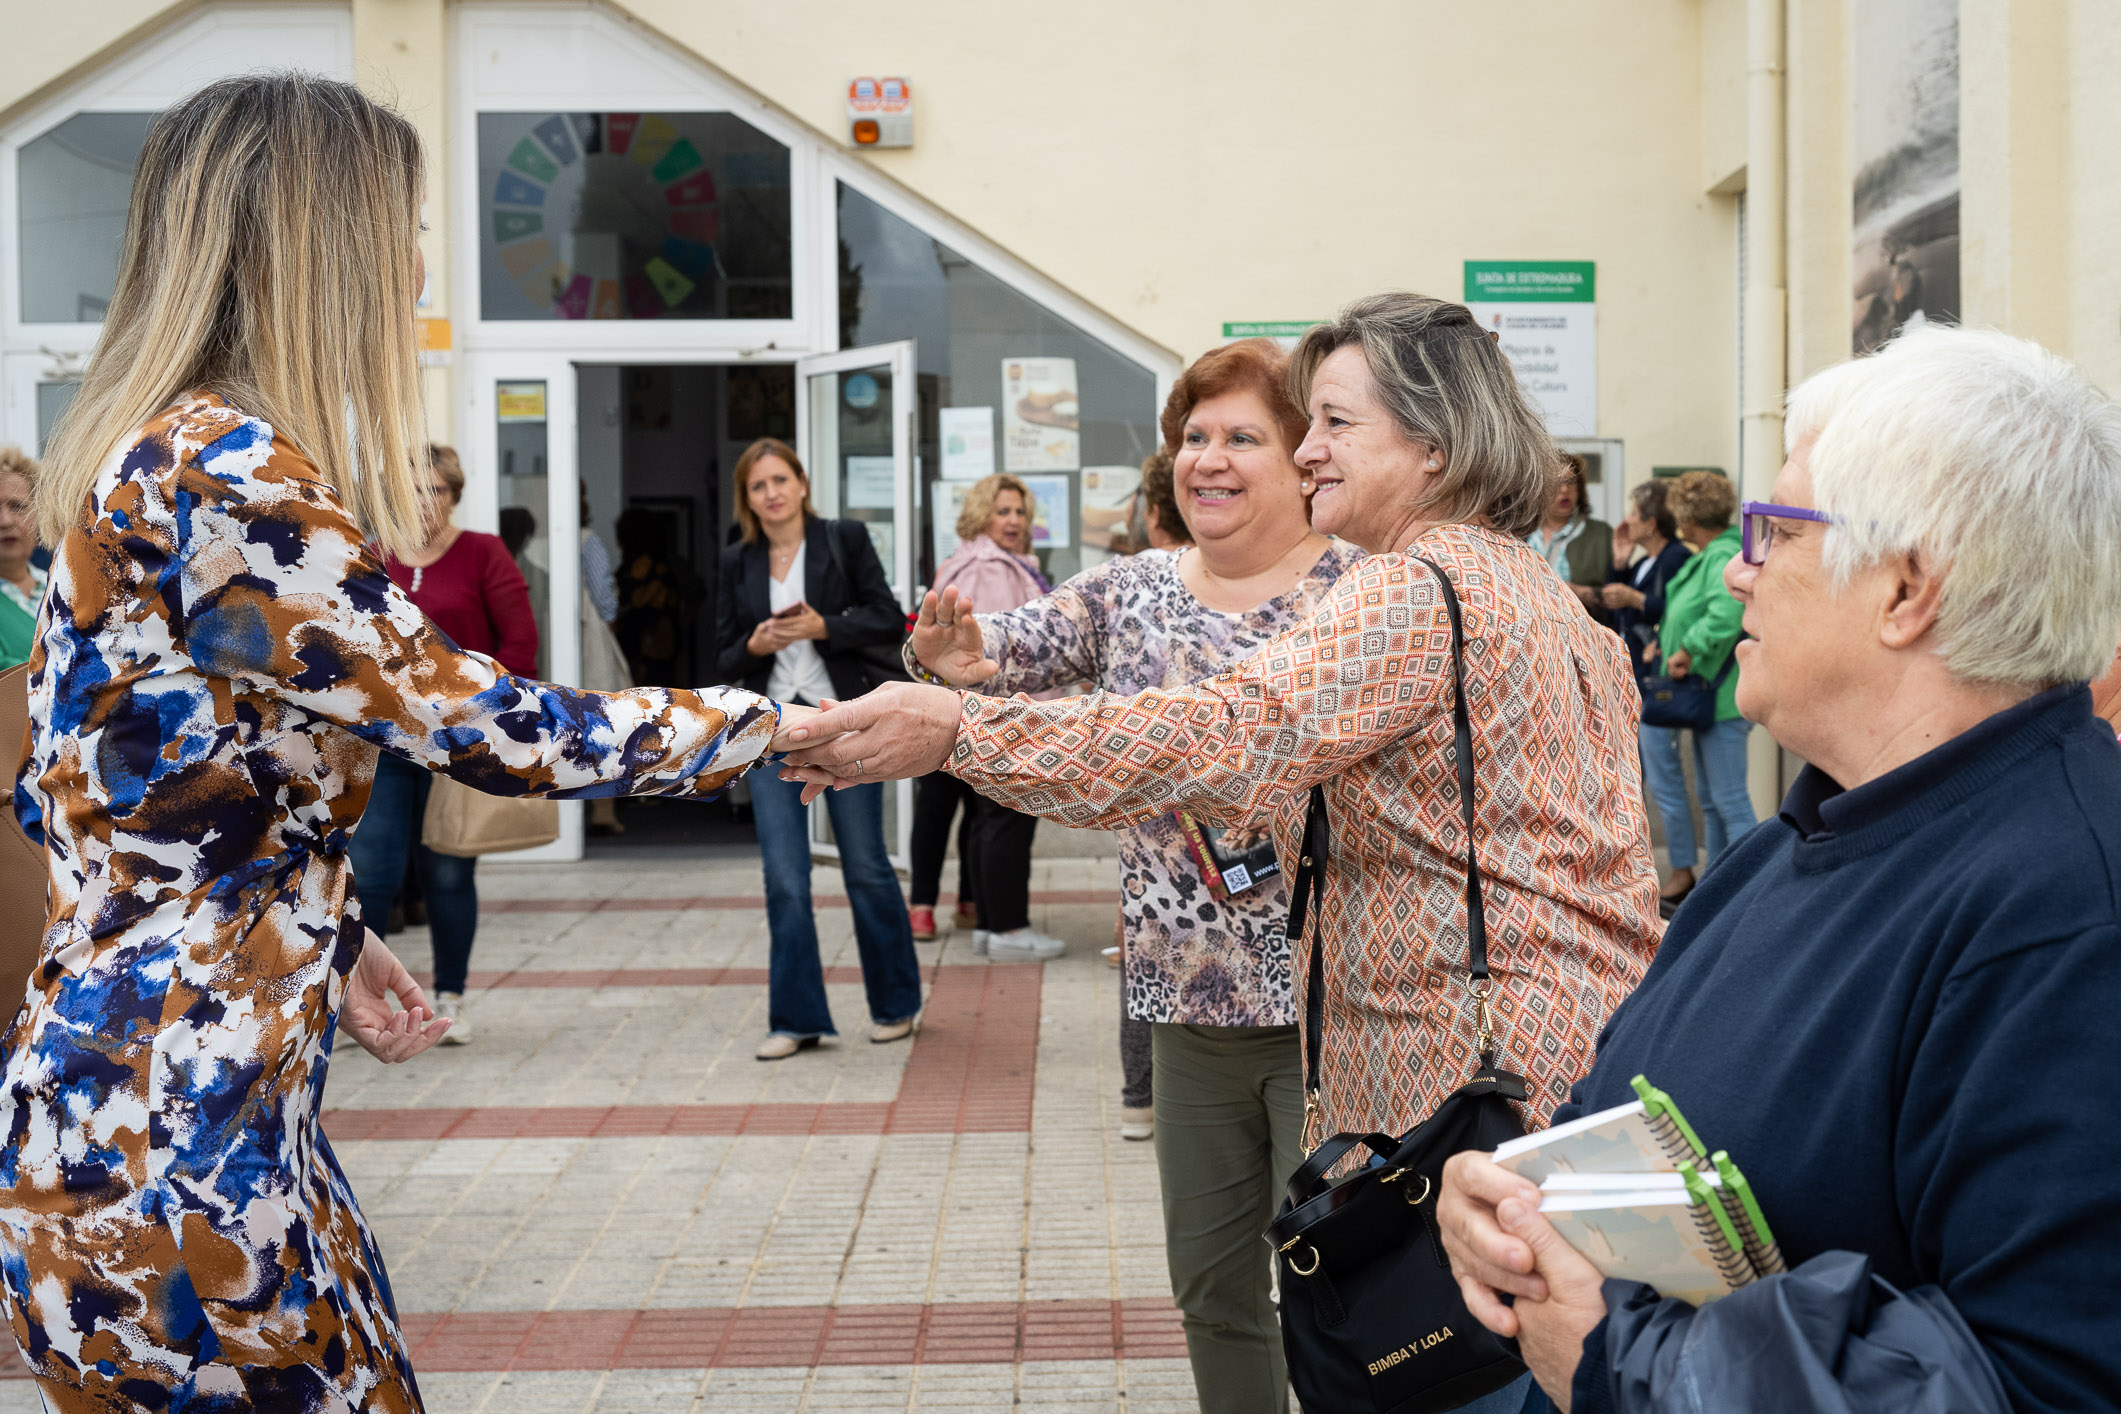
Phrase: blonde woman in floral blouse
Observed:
(1420, 445)
(1211, 973)
(219, 659)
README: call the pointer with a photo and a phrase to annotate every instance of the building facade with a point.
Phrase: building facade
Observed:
(651, 238)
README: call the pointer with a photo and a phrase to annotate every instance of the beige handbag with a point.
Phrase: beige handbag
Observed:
(23, 879)
(466, 822)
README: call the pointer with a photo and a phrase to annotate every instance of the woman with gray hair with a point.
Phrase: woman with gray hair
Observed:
(1421, 448)
(1867, 999)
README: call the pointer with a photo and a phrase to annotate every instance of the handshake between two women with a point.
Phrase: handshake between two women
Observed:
(899, 730)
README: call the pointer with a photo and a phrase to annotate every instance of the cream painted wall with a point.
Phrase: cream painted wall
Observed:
(1281, 161)
(1818, 185)
(401, 55)
(47, 44)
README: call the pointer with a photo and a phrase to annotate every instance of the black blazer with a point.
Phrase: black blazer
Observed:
(863, 613)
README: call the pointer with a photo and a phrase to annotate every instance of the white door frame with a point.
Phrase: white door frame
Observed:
(899, 357)
(478, 434)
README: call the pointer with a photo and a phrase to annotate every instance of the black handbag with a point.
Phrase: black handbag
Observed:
(1684, 702)
(1371, 1318)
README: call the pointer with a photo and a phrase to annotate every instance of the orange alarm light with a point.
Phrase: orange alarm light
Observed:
(866, 132)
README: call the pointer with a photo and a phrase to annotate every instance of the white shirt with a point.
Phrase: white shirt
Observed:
(798, 671)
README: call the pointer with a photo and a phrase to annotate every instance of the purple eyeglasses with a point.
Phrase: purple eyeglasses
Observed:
(1756, 520)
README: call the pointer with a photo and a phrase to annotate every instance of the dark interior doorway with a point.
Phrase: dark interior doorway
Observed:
(657, 445)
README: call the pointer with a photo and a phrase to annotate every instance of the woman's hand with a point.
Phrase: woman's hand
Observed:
(769, 638)
(1621, 596)
(1498, 1242)
(1588, 593)
(366, 1013)
(793, 715)
(900, 730)
(805, 623)
(1623, 543)
(947, 642)
(1679, 664)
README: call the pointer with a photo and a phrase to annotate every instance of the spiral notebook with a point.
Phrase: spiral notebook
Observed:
(1634, 1190)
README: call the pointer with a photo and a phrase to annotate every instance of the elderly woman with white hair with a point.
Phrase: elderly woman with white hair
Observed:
(1893, 1004)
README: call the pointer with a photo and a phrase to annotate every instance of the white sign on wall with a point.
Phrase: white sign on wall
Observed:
(968, 443)
(1544, 314)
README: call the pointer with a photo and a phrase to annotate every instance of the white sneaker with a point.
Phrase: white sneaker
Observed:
(1024, 945)
(980, 938)
(451, 1005)
(1137, 1123)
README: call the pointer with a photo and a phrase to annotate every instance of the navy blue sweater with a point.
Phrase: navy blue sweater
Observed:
(1899, 1007)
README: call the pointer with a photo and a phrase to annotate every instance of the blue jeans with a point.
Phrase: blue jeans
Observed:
(382, 842)
(1664, 772)
(1719, 765)
(1719, 772)
(1518, 1395)
(795, 986)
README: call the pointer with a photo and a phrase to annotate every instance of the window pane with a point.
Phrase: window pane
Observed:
(75, 183)
(1064, 410)
(632, 216)
(53, 399)
(519, 411)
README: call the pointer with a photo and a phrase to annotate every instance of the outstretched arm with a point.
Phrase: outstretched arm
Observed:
(281, 593)
(1367, 668)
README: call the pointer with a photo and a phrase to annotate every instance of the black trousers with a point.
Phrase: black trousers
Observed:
(936, 798)
(1001, 865)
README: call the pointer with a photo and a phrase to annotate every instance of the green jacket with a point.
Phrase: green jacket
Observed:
(1701, 617)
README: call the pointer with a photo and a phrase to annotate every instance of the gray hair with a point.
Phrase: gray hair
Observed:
(1447, 386)
(2001, 464)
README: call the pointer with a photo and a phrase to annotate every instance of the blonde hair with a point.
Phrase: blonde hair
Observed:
(1447, 386)
(16, 462)
(979, 503)
(747, 519)
(1997, 461)
(270, 257)
(1705, 500)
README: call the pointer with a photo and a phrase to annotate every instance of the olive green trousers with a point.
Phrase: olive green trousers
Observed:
(1229, 1123)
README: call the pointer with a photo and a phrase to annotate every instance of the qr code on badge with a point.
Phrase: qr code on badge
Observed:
(1237, 878)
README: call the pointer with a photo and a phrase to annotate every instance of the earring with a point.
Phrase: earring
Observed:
(1307, 486)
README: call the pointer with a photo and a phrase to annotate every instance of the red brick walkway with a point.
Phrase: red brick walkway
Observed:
(970, 1333)
(972, 1070)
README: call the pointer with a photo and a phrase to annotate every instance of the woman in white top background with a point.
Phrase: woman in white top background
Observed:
(801, 597)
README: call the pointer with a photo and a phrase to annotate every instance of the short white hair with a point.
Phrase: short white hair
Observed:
(2000, 463)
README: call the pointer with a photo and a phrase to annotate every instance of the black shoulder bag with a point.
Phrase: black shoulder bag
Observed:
(1371, 1318)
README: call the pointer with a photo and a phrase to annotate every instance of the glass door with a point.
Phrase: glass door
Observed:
(854, 431)
(38, 388)
(520, 482)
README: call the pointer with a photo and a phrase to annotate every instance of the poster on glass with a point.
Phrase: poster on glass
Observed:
(1041, 415)
(1108, 495)
(1049, 515)
(967, 436)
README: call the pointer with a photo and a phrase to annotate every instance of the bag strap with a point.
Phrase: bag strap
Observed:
(1308, 890)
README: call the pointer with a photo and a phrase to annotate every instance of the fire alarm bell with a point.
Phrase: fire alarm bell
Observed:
(880, 112)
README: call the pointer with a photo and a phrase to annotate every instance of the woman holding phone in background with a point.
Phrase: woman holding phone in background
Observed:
(800, 599)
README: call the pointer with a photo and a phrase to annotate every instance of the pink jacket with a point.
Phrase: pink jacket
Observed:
(990, 576)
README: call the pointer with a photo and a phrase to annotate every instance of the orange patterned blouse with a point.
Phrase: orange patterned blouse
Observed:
(1358, 698)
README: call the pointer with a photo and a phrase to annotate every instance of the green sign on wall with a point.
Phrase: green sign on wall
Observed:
(1531, 281)
(1268, 329)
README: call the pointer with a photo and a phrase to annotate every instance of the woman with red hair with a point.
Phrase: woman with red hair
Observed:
(1207, 958)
